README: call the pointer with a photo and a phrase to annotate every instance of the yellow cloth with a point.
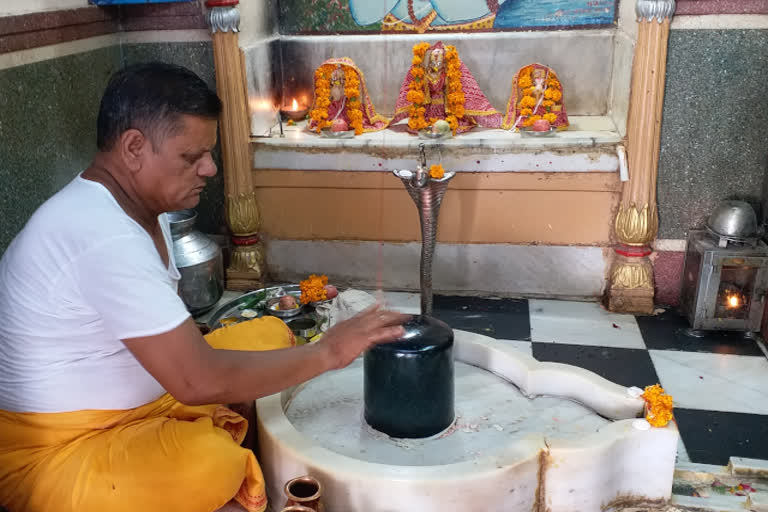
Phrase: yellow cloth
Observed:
(163, 456)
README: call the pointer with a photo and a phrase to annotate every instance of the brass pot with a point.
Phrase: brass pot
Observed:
(304, 491)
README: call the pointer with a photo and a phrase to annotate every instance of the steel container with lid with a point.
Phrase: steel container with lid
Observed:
(199, 260)
(734, 220)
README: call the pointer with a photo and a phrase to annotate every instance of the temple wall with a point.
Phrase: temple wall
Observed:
(715, 73)
(54, 66)
(713, 139)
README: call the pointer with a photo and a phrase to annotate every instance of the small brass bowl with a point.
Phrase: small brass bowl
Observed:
(272, 305)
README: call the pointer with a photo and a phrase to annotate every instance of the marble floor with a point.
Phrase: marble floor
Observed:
(719, 382)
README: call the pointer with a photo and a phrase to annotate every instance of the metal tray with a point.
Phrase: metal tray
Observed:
(232, 309)
(427, 134)
(328, 134)
(528, 132)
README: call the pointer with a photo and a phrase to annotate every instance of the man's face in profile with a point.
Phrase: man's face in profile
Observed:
(174, 173)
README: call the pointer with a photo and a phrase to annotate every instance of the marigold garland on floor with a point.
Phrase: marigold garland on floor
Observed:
(658, 406)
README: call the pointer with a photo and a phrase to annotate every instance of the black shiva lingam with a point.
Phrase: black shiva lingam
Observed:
(409, 383)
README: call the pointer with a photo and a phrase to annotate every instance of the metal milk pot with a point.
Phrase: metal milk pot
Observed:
(199, 261)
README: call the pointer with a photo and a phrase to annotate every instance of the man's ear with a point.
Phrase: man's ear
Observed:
(133, 148)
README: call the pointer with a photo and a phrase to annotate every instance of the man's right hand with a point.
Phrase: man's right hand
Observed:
(196, 374)
(346, 340)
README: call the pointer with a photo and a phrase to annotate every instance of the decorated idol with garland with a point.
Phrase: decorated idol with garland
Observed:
(341, 100)
(439, 87)
(537, 97)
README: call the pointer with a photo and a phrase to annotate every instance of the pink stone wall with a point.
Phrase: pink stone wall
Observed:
(667, 274)
(694, 7)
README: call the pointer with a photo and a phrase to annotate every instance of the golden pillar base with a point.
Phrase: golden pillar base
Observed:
(245, 271)
(247, 266)
(631, 285)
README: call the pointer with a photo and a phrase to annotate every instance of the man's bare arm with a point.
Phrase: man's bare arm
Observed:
(195, 373)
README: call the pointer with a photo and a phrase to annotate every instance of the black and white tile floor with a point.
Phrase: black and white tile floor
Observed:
(719, 382)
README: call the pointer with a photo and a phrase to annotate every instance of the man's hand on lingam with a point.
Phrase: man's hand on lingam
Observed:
(346, 340)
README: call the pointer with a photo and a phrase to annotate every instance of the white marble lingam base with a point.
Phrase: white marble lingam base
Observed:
(528, 436)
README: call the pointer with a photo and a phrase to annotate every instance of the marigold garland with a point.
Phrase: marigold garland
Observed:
(313, 289)
(552, 95)
(323, 98)
(436, 171)
(658, 406)
(418, 89)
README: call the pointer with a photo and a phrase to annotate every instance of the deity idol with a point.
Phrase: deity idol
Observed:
(537, 95)
(342, 101)
(439, 86)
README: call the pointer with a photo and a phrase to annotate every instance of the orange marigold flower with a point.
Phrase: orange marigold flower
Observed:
(534, 118)
(547, 103)
(417, 61)
(313, 289)
(418, 73)
(526, 112)
(421, 48)
(658, 406)
(527, 122)
(548, 94)
(436, 171)
(415, 97)
(550, 116)
(453, 123)
(527, 102)
(557, 95)
(525, 81)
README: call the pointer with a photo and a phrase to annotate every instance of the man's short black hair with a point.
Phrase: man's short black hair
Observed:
(152, 97)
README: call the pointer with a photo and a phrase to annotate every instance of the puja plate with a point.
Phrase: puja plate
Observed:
(256, 301)
(428, 134)
(328, 134)
(528, 132)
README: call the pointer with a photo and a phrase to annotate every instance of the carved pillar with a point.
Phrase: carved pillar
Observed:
(246, 268)
(637, 221)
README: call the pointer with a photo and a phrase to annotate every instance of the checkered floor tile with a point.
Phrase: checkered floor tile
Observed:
(719, 381)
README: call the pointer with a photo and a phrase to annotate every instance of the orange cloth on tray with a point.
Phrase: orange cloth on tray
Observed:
(159, 457)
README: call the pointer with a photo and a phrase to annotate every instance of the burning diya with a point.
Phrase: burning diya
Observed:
(294, 112)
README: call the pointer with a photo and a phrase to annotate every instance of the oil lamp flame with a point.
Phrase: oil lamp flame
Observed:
(732, 301)
(295, 104)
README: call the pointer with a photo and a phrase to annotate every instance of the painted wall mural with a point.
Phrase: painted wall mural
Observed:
(419, 16)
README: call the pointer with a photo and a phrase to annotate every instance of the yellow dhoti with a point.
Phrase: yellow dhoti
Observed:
(161, 457)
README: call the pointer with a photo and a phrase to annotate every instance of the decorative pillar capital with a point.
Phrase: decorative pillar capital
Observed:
(659, 9)
(223, 15)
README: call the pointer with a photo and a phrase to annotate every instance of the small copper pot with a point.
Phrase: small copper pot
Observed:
(304, 491)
